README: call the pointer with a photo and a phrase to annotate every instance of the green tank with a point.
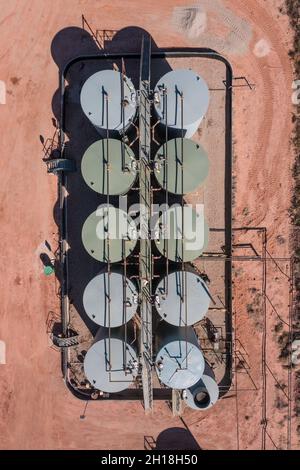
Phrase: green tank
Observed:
(181, 166)
(109, 234)
(109, 166)
(170, 227)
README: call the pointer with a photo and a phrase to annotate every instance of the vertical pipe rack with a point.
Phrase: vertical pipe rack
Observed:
(145, 256)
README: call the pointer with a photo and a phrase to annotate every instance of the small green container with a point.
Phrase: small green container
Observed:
(48, 270)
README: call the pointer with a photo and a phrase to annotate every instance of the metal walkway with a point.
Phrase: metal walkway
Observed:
(60, 164)
(145, 258)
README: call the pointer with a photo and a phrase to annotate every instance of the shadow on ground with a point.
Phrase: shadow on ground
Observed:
(172, 439)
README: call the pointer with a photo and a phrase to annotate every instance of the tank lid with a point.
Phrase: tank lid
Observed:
(182, 298)
(182, 98)
(110, 299)
(182, 234)
(179, 364)
(109, 165)
(181, 166)
(109, 234)
(110, 365)
(108, 99)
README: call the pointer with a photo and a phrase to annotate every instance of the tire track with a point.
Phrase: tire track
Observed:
(263, 164)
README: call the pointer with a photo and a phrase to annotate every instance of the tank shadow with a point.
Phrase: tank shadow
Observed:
(176, 439)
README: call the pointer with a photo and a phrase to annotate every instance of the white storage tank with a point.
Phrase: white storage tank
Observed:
(181, 99)
(110, 299)
(110, 365)
(179, 360)
(182, 298)
(205, 393)
(108, 99)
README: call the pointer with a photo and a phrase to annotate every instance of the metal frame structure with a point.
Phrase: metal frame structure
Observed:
(145, 257)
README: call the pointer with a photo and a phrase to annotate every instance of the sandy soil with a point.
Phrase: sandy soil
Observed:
(36, 409)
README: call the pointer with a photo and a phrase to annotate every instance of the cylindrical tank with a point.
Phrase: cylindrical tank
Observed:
(108, 99)
(182, 298)
(109, 234)
(108, 165)
(110, 299)
(204, 393)
(111, 365)
(182, 234)
(181, 99)
(181, 165)
(179, 361)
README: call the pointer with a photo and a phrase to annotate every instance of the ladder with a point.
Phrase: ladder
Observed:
(65, 342)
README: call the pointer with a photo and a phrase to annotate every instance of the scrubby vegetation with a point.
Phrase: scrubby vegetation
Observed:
(293, 11)
(284, 344)
(254, 309)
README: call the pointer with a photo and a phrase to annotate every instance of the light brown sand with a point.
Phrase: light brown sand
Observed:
(36, 410)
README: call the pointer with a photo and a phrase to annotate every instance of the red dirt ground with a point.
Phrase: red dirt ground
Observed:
(36, 409)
